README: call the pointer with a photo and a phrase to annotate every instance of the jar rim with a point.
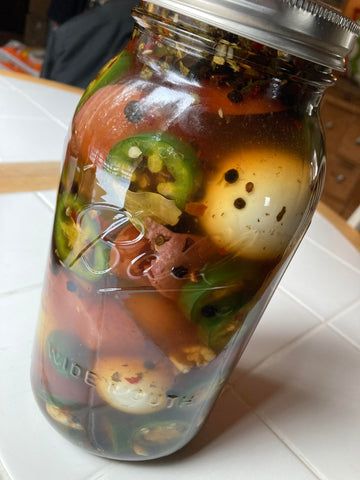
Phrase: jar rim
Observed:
(305, 28)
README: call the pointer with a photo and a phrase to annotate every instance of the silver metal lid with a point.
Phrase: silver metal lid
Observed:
(305, 28)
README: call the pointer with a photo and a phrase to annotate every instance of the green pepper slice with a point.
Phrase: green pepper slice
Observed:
(45, 397)
(109, 432)
(67, 417)
(160, 437)
(214, 303)
(76, 243)
(69, 357)
(110, 73)
(170, 162)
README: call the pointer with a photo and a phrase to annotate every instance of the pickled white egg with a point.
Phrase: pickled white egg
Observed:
(133, 386)
(255, 202)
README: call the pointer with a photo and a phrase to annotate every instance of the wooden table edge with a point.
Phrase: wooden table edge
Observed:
(340, 224)
(42, 81)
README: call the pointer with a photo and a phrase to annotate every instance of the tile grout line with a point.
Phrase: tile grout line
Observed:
(329, 323)
(45, 202)
(40, 107)
(98, 475)
(287, 348)
(343, 336)
(332, 318)
(303, 337)
(9, 477)
(278, 351)
(333, 255)
(19, 117)
(343, 312)
(283, 439)
(300, 302)
(26, 289)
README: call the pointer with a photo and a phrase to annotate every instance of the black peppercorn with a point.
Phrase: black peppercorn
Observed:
(180, 272)
(239, 203)
(133, 112)
(232, 176)
(209, 311)
(235, 96)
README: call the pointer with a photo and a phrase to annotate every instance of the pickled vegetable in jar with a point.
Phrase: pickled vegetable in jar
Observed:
(194, 166)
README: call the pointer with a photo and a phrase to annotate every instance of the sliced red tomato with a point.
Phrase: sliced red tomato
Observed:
(102, 122)
(100, 322)
(117, 112)
(161, 321)
(216, 100)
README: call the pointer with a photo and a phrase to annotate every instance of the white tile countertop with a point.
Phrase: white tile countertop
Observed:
(291, 410)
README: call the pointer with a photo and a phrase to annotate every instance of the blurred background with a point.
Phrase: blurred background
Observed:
(63, 40)
(69, 41)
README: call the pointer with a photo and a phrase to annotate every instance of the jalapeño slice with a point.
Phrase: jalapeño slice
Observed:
(77, 242)
(170, 165)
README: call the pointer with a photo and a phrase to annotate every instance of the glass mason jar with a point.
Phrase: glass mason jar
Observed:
(194, 165)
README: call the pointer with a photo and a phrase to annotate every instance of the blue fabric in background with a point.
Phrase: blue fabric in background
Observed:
(78, 48)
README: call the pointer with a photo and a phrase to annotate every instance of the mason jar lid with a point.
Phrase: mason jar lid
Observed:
(304, 28)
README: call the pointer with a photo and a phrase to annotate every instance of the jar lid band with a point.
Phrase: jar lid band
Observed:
(304, 28)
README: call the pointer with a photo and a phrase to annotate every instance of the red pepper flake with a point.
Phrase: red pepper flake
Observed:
(71, 214)
(255, 91)
(257, 47)
(134, 380)
(188, 243)
(195, 209)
